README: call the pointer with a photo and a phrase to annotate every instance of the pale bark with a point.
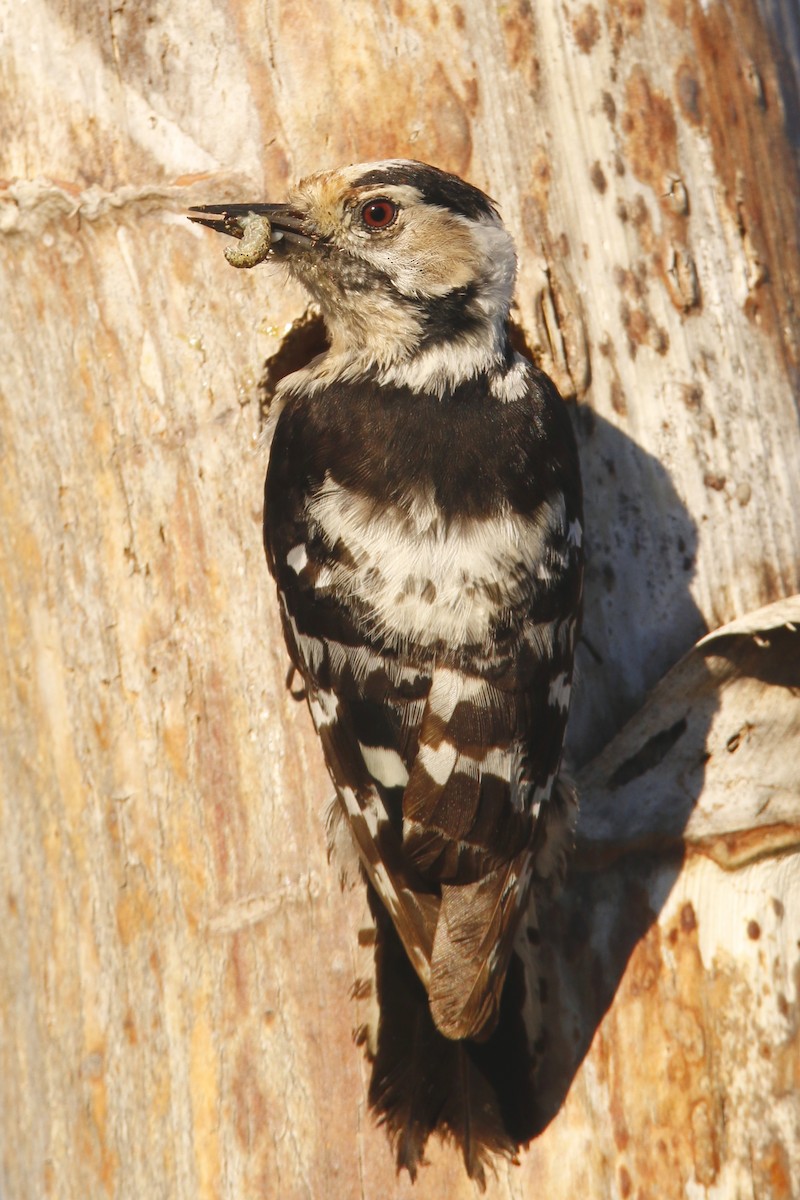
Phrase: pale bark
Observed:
(176, 958)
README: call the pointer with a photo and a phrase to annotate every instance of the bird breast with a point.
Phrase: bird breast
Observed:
(423, 577)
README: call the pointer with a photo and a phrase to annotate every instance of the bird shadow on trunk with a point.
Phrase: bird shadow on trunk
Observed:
(649, 718)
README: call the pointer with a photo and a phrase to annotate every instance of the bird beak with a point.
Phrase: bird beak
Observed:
(288, 225)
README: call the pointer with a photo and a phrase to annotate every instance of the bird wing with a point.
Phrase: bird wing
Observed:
(476, 809)
(443, 750)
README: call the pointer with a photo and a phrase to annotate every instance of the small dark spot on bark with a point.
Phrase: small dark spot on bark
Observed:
(471, 96)
(753, 930)
(688, 918)
(692, 396)
(716, 482)
(688, 89)
(598, 178)
(609, 107)
(586, 28)
(641, 214)
(618, 401)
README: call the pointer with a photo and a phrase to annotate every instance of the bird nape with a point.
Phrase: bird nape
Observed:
(423, 524)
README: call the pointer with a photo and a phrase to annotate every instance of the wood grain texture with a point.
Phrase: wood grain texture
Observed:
(176, 958)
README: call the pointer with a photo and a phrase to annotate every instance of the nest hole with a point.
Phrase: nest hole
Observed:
(305, 339)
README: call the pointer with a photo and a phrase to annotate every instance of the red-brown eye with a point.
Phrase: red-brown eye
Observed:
(378, 214)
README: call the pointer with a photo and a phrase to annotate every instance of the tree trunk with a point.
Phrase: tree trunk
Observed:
(176, 957)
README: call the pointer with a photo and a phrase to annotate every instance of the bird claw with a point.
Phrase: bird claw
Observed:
(295, 693)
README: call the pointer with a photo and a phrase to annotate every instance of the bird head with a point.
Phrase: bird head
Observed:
(403, 259)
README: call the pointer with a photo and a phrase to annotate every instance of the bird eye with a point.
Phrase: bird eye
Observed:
(378, 214)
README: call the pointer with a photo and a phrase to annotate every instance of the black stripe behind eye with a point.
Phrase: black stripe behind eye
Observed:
(436, 186)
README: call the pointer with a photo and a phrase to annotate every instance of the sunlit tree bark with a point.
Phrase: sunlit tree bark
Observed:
(176, 958)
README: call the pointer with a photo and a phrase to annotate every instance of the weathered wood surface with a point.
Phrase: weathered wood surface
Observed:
(175, 956)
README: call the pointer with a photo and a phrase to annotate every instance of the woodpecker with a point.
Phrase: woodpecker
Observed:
(423, 525)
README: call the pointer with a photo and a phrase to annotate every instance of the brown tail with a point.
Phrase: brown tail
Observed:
(479, 1095)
